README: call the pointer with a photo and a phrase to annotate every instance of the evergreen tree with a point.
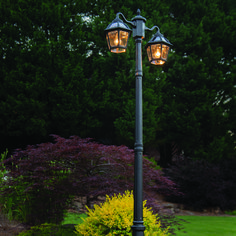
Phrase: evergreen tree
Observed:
(43, 86)
(57, 75)
(201, 80)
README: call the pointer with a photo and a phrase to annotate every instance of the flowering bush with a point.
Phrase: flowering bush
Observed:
(115, 217)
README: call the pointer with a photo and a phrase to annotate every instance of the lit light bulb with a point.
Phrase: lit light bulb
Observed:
(158, 54)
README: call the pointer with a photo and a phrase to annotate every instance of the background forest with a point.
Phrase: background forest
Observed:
(58, 77)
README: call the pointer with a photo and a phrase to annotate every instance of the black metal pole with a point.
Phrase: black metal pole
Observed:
(138, 34)
(138, 227)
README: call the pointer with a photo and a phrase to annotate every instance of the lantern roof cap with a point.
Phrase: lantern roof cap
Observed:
(159, 38)
(117, 23)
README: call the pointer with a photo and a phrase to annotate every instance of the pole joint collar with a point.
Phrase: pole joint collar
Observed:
(138, 226)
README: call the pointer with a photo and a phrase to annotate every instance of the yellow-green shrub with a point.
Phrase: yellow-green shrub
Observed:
(115, 217)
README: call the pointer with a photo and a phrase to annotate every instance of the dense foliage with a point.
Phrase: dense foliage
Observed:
(205, 185)
(197, 113)
(57, 75)
(115, 217)
(43, 83)
(43, 179)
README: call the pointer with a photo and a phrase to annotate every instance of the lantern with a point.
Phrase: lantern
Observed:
(117, 34)
(158, 49)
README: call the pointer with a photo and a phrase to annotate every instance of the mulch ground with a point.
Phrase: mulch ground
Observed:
(10, 228)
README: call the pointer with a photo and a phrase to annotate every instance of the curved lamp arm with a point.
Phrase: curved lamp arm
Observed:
(154, 27)
(126, 21)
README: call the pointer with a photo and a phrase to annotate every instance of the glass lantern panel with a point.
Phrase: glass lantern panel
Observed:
(156, 51)
(158, 62)
(124, 38)
(108, 43)
(113, 38)
(149, 53)
(118, 50)
(165, 50)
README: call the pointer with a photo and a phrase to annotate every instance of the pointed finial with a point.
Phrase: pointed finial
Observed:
(138, 12)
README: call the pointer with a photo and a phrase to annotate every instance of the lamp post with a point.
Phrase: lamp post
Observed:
(117, 35)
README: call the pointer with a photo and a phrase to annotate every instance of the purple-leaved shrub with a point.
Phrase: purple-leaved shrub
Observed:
(44, 178)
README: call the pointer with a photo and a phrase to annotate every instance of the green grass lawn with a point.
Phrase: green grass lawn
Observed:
(208, 226)
(73, 218)
(196, 226)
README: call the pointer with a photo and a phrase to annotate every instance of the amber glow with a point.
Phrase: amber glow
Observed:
(113, 38)
(158, 62)
(117, 41)
(157, 54)
(118, 50)
(161, 62)
(156, 51)
(165, 50)
(124, 38)
(149, 54)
